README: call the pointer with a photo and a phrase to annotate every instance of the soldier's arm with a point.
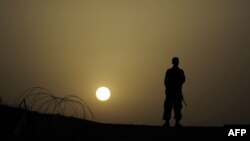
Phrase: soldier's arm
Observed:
(166, 78)
(184, 78)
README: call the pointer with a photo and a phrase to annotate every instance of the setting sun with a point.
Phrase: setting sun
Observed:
(103, 93)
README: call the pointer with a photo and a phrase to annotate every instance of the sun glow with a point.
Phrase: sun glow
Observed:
(103, 93)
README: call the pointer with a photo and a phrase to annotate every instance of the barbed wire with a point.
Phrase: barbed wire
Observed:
(44, 101)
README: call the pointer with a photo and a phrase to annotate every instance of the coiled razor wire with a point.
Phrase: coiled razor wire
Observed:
(42, 100)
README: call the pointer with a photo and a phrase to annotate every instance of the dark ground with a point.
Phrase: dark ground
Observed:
(18, 124)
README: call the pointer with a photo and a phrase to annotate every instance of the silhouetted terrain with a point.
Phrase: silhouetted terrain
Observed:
(19, 124)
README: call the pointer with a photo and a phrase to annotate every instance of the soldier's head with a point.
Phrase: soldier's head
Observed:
(175, 61)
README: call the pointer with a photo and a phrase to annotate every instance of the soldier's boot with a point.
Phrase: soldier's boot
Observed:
(166, 124)
(177, 124)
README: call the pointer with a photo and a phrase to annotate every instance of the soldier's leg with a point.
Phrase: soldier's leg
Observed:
(177, 111)
(168, 105)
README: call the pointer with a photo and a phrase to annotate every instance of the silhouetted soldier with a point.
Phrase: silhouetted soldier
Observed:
(174, 80)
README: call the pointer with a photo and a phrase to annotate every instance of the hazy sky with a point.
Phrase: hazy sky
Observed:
(73, 47)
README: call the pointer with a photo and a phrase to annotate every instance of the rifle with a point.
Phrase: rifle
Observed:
(182, 98)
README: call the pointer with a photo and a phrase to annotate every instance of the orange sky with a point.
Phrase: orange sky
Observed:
(73, 47)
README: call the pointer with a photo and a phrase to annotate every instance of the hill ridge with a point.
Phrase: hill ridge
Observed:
(21, 124)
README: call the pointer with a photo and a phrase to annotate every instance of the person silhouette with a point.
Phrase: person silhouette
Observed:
(174, 80)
